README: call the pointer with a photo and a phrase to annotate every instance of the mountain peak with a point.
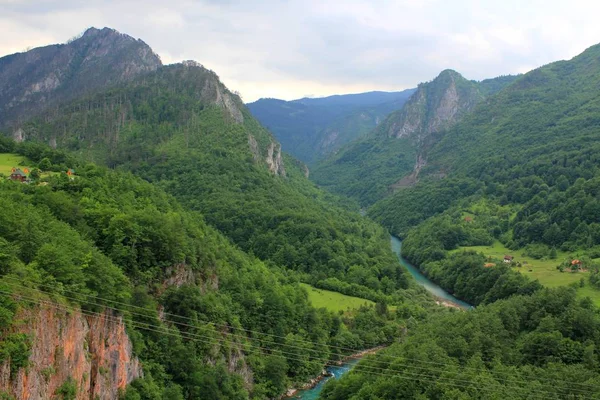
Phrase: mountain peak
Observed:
(449, 75)
(93, 31)
(433, 106)
(99, 58)
(449, 72)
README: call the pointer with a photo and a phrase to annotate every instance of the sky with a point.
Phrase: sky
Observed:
(312, 48)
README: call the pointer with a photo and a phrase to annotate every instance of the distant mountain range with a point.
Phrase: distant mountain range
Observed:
(310, 128)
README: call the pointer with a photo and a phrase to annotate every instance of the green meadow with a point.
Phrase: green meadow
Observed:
(543, 270)
(334, 301)
(9, 160)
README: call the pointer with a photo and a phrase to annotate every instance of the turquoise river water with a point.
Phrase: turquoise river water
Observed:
(422, 279)
(431, 287)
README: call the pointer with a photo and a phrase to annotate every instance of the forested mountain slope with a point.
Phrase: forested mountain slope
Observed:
(181, 129)
(540, 346)
(534, 145)
(34, 80)
(203, 318)
(224, 324)
(311, 128)
(393, 154)
(520, 178)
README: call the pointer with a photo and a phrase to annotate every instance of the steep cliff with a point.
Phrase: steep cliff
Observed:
(434, 106)
(392, 155)
(106, 126)
(91, 351)
(32, 81)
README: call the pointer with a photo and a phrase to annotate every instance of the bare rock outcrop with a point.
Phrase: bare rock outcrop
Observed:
(274, 160)
(92, 350)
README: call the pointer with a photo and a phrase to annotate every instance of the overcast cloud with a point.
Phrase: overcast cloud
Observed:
(290, 49)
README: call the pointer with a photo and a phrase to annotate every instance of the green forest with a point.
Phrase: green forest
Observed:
(110, 239)
(163, 201)
(170, 134)
(520, 173)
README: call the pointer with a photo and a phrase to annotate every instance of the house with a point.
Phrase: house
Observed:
(18, 175)
(576, 263)
(468, 219)
(70, 172)
(508, 259)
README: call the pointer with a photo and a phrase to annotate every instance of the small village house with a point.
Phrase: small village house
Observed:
(18, 175)
(508, 259)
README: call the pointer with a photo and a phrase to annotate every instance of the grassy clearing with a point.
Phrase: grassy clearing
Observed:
(333, 301)
(9, 160)
(543, 270)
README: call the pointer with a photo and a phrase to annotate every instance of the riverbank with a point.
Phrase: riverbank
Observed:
(448, 304)
(442, 296)
(325, 374)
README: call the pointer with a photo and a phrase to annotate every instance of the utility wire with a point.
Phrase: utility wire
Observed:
(340, 355)
(371, 370)
(191, 336)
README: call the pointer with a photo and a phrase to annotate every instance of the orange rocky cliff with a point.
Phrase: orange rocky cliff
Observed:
(94, 351)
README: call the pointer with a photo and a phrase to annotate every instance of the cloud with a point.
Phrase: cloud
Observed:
(286, 49)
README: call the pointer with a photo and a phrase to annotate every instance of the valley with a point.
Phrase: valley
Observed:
(167, 241)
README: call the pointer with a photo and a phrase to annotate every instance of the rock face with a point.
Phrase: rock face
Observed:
(31, 82)
(273, 157)
(94, 351)
(274, 160)
(434, 106)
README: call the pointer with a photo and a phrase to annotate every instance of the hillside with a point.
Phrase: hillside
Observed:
(522, 174)
(109, 280)
(392, 155)
(181, 129)
(534, 139)
(215, 226)
(310, 128)
(35, 80)
(509, 192)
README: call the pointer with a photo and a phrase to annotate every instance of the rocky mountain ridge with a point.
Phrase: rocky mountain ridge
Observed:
(32, 81)
(393, 154)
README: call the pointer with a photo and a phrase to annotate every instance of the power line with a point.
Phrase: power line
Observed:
(192, 336)
(383, 372)
(305, 349)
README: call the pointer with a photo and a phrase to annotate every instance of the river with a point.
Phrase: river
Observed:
(311, 394)
(431, 287)
(422, 280)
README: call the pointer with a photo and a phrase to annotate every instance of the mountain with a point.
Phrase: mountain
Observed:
(537, 135)
(310, 128)
(32, 81)
(510, 192)
(520, 174)
(203, 217)
(182, 129)
(392, 155)
(111, 288)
